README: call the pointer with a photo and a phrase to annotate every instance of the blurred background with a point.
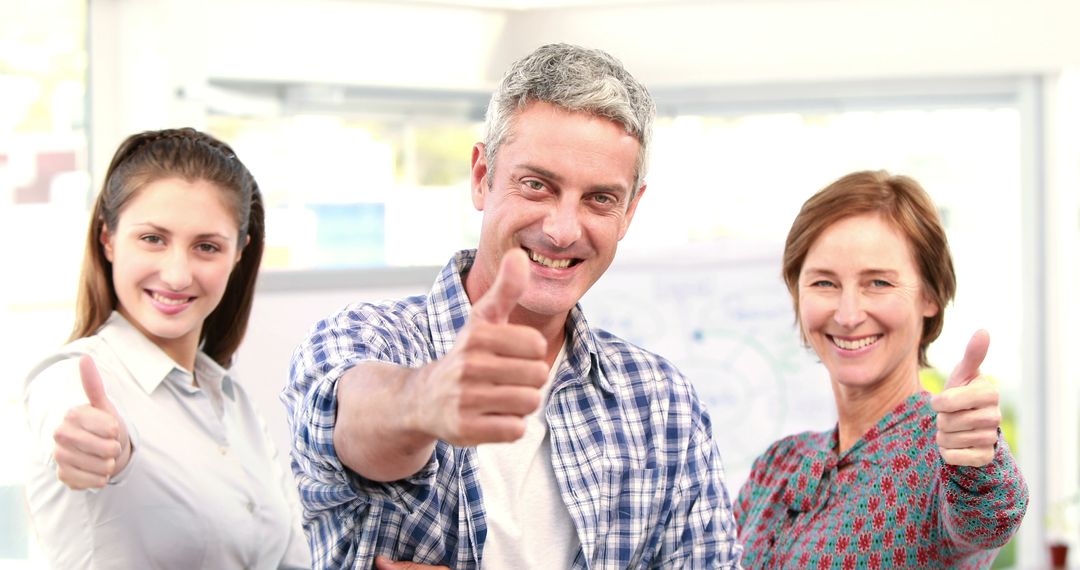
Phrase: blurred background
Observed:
(357, 119)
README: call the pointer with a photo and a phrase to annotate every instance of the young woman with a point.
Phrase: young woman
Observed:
(149, 454)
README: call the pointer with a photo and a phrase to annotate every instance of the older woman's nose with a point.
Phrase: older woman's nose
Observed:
(849, 310)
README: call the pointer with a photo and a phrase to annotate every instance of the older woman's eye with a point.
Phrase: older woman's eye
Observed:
(880, 283)
(822, 283)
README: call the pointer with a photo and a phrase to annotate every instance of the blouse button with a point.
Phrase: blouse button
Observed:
(251, 506)
(223, 450)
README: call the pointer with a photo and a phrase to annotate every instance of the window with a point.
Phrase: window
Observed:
(44, 187)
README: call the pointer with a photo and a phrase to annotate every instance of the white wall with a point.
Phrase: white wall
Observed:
(768, 41)
(144, 53)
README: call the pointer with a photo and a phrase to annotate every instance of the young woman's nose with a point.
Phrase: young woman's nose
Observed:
(175, 270)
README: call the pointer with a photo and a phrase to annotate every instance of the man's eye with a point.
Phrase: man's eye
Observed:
(534, 184)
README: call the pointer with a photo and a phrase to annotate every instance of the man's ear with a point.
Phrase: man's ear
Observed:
(479, 177)
(630, 210)
(106, 242)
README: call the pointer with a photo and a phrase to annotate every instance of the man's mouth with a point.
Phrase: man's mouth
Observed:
(552, 263)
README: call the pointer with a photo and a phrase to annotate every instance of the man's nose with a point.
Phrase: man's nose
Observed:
(562, 224)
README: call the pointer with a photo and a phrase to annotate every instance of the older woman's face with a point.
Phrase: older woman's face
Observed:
(861, 303)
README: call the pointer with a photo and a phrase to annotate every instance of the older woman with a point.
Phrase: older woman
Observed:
(904, 480)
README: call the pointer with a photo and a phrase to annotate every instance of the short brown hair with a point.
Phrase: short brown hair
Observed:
(900, 201)
(191, 155)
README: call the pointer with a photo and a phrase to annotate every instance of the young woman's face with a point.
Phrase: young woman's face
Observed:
(173, 248)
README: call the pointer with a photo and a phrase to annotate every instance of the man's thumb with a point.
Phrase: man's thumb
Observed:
(91, 382)
(510, 283)
(968, 369)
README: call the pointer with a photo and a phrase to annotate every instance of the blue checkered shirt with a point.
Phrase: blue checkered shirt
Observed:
(631, 448)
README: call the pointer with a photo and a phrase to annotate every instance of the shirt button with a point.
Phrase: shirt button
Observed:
(251, 506)
(223, 450)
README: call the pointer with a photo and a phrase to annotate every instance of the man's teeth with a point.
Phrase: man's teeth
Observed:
(855, 344)
(554, 263)
(167, 301)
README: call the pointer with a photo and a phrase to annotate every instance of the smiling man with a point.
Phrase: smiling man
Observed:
(486, 424)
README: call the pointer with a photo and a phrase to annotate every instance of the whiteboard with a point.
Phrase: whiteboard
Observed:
(719, 312)
(724, 317)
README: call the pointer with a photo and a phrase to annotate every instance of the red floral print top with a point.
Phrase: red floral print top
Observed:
(887, 502)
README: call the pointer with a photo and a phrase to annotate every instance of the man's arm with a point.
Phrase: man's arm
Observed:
(701, 531)
(389, 417)
(353, 403)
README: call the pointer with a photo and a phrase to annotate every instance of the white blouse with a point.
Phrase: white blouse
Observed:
(203, 488)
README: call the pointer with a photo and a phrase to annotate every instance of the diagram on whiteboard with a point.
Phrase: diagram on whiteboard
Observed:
(728, 325)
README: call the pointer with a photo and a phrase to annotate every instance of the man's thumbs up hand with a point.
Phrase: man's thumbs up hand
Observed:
(481, 391)
(968, 416)
(92, 443)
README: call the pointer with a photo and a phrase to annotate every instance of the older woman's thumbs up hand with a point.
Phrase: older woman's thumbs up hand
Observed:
(968, 416)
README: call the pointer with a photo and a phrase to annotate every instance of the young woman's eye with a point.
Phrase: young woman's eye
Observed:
(152, 239)
(208, 248)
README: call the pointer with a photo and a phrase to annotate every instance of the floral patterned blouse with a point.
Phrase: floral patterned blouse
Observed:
(887, 502)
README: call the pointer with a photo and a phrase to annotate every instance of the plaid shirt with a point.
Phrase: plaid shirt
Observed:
(631, 448)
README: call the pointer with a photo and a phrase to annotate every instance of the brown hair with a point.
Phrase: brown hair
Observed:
(900, 201)
(192, 155)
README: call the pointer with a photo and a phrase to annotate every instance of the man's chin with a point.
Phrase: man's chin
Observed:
(548, 306)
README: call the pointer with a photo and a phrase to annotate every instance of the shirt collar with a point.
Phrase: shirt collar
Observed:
(149, 365)
(825, 444)
(448, 311)
(820, 457)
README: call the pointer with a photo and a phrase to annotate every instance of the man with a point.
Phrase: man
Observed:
(486, 423)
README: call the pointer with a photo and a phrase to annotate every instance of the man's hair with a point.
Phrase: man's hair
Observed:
(901, 202)
(575, 79)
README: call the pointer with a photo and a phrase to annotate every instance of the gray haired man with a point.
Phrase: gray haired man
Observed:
(486, 423)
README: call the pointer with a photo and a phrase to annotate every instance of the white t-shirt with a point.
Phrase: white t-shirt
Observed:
(203, 488)
(528, 524)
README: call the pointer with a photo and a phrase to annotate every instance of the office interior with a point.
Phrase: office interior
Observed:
(357, 118)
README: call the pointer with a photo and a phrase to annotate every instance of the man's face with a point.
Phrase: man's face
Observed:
(562, 189)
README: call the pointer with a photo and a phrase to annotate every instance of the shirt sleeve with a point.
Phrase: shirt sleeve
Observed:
(334, 498)
(701, 532)
(983, 506)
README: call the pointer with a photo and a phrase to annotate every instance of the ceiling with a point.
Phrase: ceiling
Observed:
(516, 5)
